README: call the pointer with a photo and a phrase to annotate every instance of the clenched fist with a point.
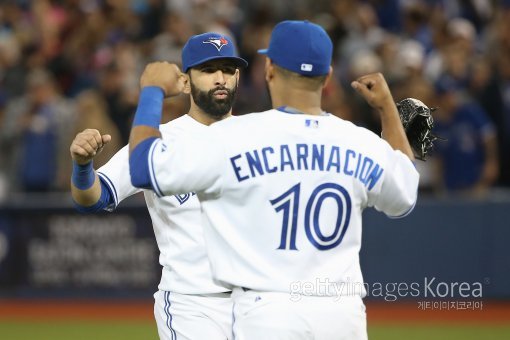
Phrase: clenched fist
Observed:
(374, 89)
(164, 75)
(87, 144)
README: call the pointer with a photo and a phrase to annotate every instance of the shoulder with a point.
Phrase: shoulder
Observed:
(245, 117)
(182, 124)
(168, 126)
(355, 131)
(360, 139)
(246, 121)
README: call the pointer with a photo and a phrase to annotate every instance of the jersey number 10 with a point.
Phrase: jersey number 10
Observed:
(288, 202)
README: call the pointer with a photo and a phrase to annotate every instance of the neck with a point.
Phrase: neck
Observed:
(200, 116)
(301, 100)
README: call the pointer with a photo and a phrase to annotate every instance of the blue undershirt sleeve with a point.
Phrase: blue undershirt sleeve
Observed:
(105, 200)
(139, 164)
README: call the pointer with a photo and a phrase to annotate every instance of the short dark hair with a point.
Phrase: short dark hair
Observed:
(306, 82)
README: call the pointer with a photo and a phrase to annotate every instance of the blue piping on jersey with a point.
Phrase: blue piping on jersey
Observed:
(405, 213)
(233, 320)
(169, 315)
(152, 174)
(108, 182)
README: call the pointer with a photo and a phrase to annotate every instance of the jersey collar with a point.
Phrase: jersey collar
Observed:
(291, 110)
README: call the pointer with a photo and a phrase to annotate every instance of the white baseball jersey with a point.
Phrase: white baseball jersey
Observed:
(282, 195)
(176, 220)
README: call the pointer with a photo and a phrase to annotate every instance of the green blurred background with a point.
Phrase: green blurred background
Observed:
(115, 330)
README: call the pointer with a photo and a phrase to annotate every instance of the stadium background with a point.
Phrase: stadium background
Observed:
(68, 65)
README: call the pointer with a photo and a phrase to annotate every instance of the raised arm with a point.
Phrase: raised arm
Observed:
(85, 184)
(374, 89)
(159, 80)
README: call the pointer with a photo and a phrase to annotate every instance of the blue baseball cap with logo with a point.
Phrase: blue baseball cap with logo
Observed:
(209, 46)
(301, 47)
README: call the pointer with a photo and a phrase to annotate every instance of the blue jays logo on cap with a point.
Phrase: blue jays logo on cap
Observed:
(301, 47)
(217, 42)
(209, 46)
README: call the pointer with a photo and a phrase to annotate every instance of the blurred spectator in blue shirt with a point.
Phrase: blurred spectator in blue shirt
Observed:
(467, 160)
(490, 84)
(35, 132)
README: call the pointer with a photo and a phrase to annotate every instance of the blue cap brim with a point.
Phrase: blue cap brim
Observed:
(263, 51)
(239, 61)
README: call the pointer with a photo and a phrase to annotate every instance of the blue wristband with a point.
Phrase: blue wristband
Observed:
(83, 176)
(150, 107)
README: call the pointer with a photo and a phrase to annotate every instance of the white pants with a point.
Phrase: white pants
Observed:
(271, 316)
(193, 317)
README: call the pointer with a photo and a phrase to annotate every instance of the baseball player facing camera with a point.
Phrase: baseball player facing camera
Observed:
(189, 303)
(282, 204)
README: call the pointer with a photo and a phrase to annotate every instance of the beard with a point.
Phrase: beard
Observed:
(216, 108)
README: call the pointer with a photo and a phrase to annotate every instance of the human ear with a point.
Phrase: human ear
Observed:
(187, 84)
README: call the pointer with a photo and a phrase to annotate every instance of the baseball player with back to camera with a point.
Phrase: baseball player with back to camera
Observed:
(282, 204)
(188, 304)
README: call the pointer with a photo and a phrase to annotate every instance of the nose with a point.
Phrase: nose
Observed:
(219, 78)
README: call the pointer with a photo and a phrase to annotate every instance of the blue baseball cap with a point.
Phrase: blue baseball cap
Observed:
(301, 47)
(209, 46)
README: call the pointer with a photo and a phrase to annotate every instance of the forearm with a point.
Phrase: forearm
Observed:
(147, 117)
(87, 197)
(144, 132)
(393, 131)
(159, 80)
(89, 193)
(374, 89)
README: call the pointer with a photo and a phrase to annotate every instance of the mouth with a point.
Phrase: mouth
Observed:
(220, 94)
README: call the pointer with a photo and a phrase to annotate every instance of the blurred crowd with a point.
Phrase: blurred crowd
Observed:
(67, 65)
